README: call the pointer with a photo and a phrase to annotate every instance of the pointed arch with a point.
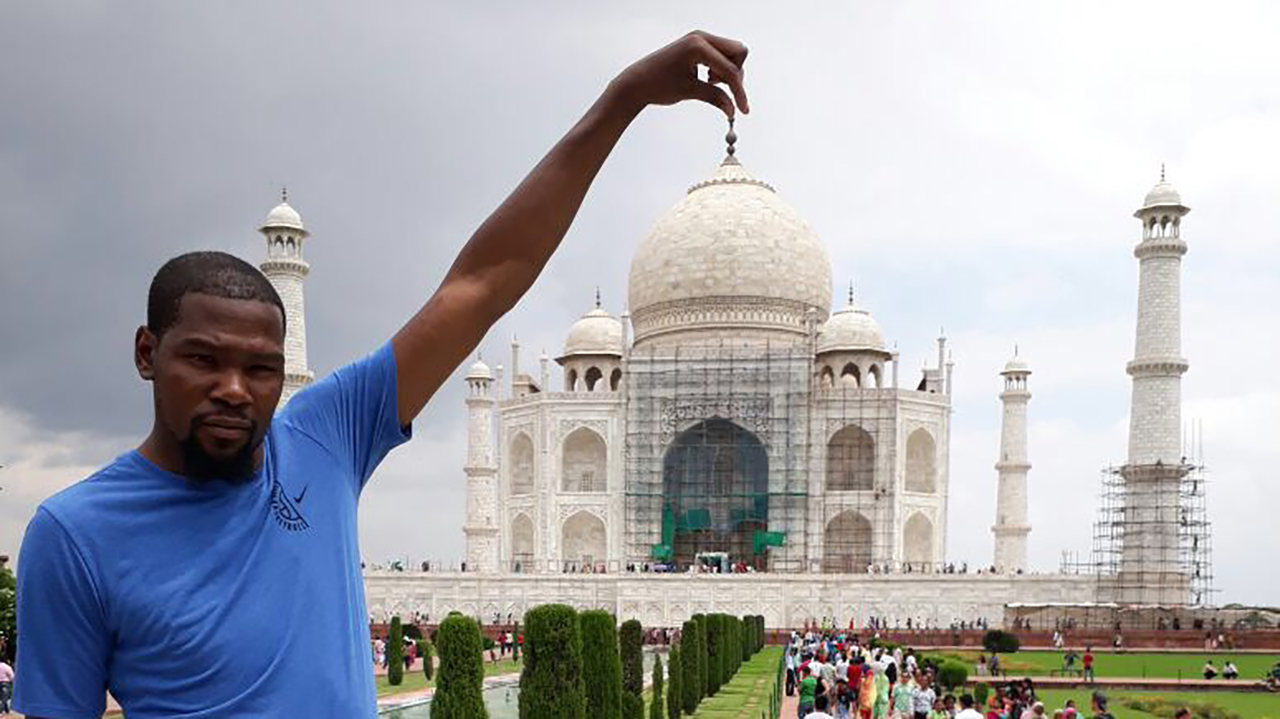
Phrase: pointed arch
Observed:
(615, 379)
(521, 543)
(583, 540)
(851, 376)
(917, 541)
(846, 544)
(571, 381)
(851, 459)
(521, 459)
(874, 376)
(584, 462)
(592, 378)
(921, 462)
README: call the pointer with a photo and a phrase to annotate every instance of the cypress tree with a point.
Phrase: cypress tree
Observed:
(395, 653)
(715, 642)
(655, 706)
(427, 652)
(704, 657)
(601, 666)
(631, 640)
(675, 683)
(690, 647)
(748, 636)
(461, 676)
(551, 682)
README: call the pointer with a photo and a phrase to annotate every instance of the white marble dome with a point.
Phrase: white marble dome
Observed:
(595, 333)
(1162, 195)
(851, 329)
(1016, 364)
(283, 215)
(731, 258)
(479, 370)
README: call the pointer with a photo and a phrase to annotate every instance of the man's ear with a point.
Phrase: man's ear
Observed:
(144, 352)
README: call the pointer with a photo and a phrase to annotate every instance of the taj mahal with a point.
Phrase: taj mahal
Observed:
(734, 428)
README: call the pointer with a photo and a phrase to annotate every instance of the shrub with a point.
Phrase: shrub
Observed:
(461, 676)
(999, 641)
(428, 654)
(395, 653)
(748, 636)
(952, 674)
(1163, 707)
(690, 648)
(980, 693)
(715, 653)
(675, 683)
(488, 642)
(601, 666)
(551, 682)
(655, 706)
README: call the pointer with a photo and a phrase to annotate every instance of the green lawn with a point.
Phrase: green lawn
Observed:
(1132, 664)
(747, 694)
(1248, 705)
(413, 681)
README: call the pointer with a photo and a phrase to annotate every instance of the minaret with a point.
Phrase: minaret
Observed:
(286, 269)
(482, 473)
(1150, 569)
(1011, 527)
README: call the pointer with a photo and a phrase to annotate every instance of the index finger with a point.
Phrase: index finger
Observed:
(724, 70)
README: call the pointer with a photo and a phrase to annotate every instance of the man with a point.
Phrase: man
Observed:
(819, 709)
(1209, 670)
(966, 708)
(808, 692)
(1099, 704)
(214, 570)
(1087, 662)
(923, 697)
(1035, 711)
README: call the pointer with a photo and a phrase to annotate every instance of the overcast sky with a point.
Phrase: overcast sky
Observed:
(972, 166)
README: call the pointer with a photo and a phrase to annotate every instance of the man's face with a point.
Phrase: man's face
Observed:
(218, 372)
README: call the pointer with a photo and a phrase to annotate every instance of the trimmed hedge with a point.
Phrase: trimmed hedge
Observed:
(551, 682)
(715, 653)
(461, 677)
(601, 666)
(675, 683)
(395, 653)
(427, 653)
(952, 674)
(703, 657)
(998, 641)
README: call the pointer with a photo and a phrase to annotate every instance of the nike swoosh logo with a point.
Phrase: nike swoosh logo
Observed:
(298, 498)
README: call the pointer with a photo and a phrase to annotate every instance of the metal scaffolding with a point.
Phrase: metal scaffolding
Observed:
(727, 461)
(1152, 542)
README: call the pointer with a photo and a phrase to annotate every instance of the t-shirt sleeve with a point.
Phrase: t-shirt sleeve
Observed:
(65, 645)
(353, 413)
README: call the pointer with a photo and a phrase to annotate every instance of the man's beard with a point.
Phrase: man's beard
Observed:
(199, 466)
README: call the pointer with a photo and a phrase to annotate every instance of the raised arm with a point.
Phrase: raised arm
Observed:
(508, 251)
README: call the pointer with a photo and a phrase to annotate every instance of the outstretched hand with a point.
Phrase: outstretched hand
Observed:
(670, 75)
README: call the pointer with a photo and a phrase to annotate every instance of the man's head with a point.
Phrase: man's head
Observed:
(213, 349)
(820, 702)
(1098, 701)
(966, 701)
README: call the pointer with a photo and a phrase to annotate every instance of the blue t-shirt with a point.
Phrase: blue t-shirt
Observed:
(213, 600)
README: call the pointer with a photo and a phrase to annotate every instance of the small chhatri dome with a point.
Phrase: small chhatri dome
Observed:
(283, 215)
(1162, 195)
(1016, 364)
(479, 370)
(851, 329)
(731, 255)
(596, 333)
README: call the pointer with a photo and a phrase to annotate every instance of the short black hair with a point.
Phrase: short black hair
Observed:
(820, 702)
(966, 700)
(213, 273)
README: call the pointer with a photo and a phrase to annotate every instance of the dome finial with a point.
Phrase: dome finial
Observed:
(731, 139)
(284, 193)
(1162, 172)
(597, 296)
(851, 293)
(1015, 349)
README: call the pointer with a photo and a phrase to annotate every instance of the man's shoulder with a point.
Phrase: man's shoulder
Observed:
(71, 503)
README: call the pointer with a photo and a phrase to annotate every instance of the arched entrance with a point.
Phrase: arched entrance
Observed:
(521, 543)
(715, 486)
(582, 542)
(846, 544)
(917, 542)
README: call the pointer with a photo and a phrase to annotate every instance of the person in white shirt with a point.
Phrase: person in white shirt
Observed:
(966, 708)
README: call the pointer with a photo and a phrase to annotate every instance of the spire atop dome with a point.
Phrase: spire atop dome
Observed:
(597, 296)
(1162, 195)
(730, 139)
(851, 293)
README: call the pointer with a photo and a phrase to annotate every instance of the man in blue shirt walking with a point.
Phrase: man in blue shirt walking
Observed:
(214, 570)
